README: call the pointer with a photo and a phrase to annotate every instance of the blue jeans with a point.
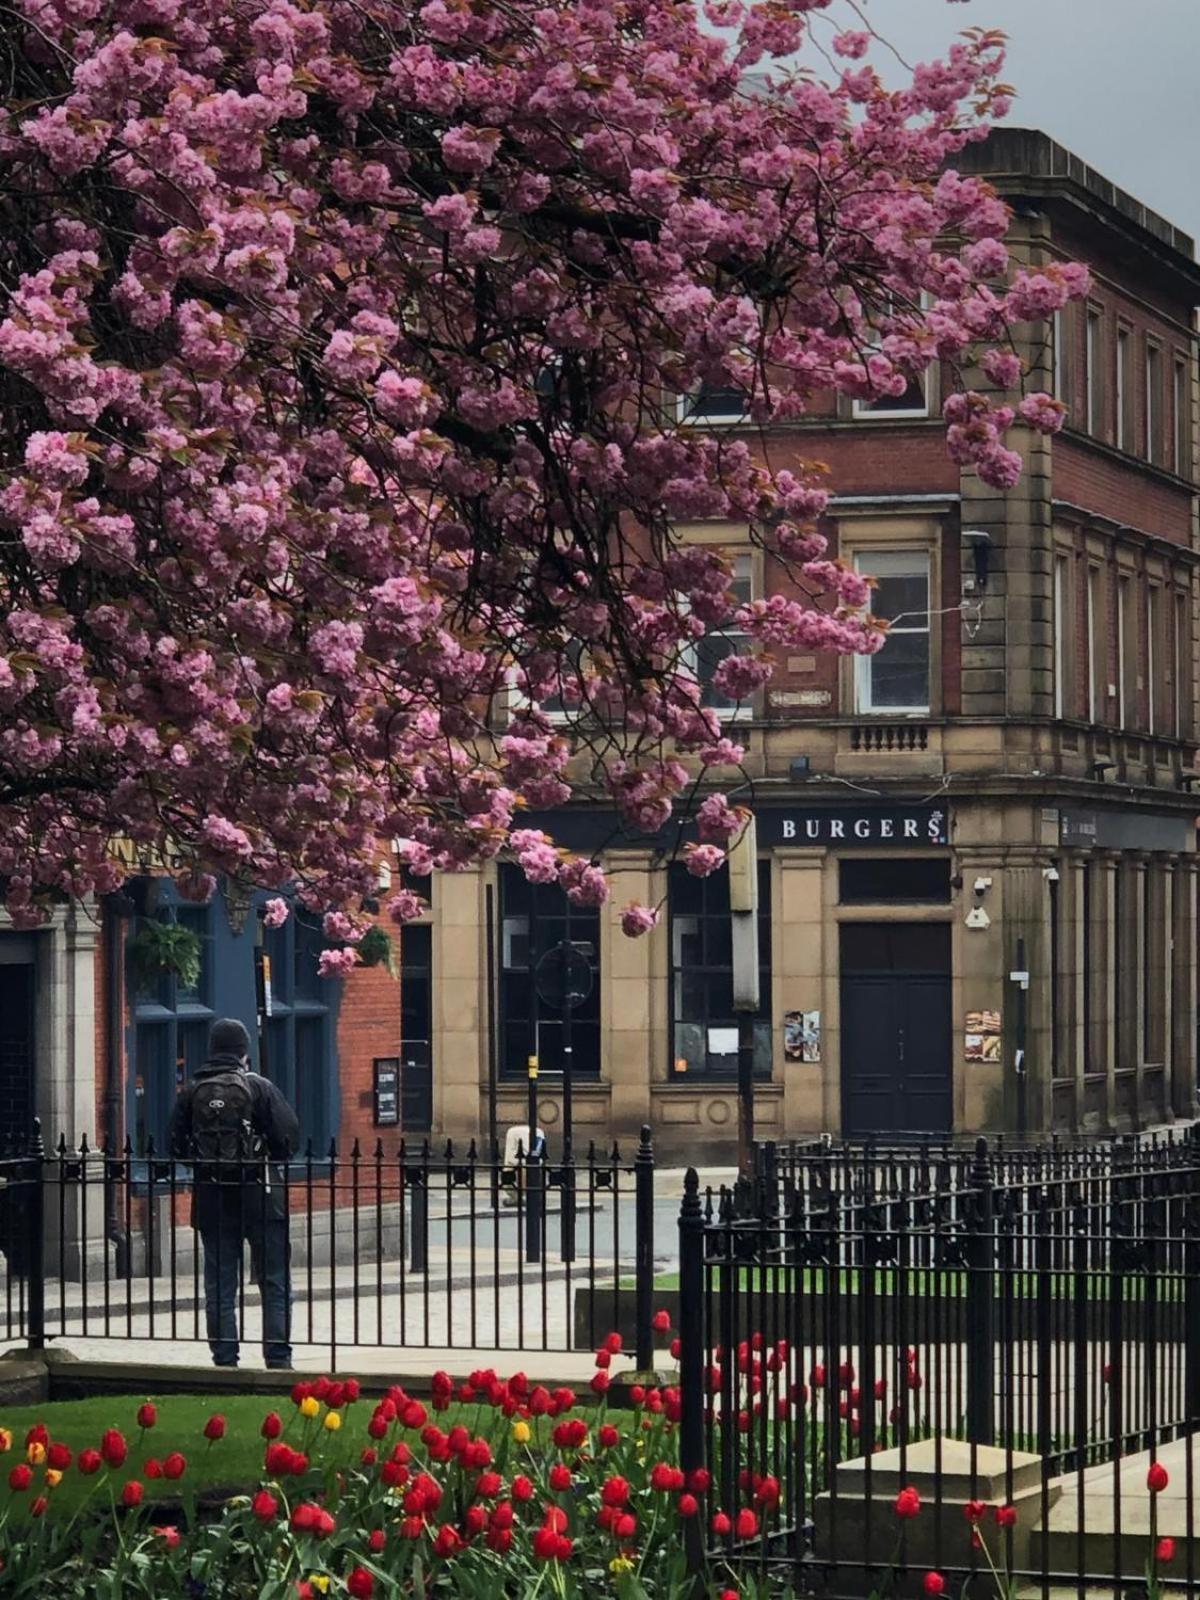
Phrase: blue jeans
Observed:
(226, 1217)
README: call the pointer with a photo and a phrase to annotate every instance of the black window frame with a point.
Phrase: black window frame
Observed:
(527, 1026)
(707, 899)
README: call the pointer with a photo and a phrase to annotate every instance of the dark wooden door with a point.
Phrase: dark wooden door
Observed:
(16, 1052)
(897, 1062)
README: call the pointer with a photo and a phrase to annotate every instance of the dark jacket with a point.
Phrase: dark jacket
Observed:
(274, 1120)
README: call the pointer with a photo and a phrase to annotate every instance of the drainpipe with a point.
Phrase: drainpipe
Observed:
(116, 908)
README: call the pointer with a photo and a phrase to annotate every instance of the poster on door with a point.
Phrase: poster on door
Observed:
(983, 1030)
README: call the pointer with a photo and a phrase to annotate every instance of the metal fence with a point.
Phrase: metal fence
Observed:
(417, 1246)
(1019, 1329)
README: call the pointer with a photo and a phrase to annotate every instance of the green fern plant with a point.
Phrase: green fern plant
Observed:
(375, 950)
(159, 947)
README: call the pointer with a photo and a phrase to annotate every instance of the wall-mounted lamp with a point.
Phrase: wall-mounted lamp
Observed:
(801, 766)
(1189, 780)
(1099, 768)
(980, 545)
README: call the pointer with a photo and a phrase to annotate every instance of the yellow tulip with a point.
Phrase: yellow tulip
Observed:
(319, 1580)
(522, 1432)
(5, 1440)
(333, 1421)
(36, 1453)
(53, 1477)
(620, 1564)
(309, 1406)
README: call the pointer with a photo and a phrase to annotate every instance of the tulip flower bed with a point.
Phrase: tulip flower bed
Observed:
(495, 1487)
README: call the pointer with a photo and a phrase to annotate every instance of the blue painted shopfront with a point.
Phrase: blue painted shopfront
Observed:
(297, 1047)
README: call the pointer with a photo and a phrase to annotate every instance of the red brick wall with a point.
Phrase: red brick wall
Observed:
(1124, 493)
(368, 1026)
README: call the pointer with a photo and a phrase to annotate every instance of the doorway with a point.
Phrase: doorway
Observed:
(897, 1061)
(16, 1053)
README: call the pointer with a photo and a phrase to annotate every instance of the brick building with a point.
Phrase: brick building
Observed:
(1006, 787)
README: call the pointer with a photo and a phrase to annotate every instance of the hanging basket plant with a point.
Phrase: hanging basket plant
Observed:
(159, 947)
(375, 950)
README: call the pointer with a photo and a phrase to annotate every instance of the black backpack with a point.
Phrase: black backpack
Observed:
(223, 1130)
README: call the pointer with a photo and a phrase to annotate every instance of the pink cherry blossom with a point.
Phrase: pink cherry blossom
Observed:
(637, 920)
(342, 503)
(276, 913)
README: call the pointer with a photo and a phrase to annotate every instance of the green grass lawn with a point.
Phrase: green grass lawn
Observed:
(234, 1462)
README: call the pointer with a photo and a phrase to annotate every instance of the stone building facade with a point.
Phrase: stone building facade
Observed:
(1007, 788)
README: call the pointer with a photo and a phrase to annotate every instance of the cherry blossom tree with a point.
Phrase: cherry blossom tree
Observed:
(343, 347)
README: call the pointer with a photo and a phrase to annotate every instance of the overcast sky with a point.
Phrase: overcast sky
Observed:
(1116, 81)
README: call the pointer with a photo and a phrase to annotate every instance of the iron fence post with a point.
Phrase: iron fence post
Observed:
(418, 1187)
(981, 1300)
(1191, 1290)
(37, 1239)
(691, 1353)
(643, 1245)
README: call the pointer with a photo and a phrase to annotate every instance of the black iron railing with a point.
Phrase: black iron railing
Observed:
(414, 1246)
(1021, 1328)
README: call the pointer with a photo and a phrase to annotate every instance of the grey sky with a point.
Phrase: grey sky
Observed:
(1116, 81)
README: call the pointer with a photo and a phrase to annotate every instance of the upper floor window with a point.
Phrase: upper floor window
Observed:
(913, 401)
(1058, 335)
(1154, 398)
(897, 677)
(712, 402)
(1124, 389)
(1095, 371)
(707, 654)
(1183, 421)
(1062, 612)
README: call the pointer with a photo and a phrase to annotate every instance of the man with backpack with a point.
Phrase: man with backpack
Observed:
(233, 1126)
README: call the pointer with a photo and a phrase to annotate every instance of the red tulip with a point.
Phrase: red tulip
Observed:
(89, 1462)
(721, 1525)
(522, 1488)
(1006, 1516)
(1157, 1478)
(1164, 1551)
(20, 1478)
(661, 1322)
(214, 1428)
(377, 1541)
(58, 1457)
(746, 1523)
(152, 1468)
(360, 1584)
(272, 1425)
(131, 1494)
(688, 1505)
(169, 1536)
(147, 1415)
(908, 1503)
(175, 1465)
(113, 1448)
(39, 1507)
(933, 1583)
(265, 1506)
(560, 1477)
